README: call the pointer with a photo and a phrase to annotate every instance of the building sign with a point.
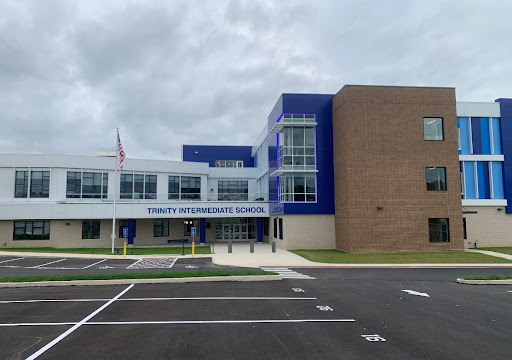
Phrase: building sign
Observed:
(223, 210)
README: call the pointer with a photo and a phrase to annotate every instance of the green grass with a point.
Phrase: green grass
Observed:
(489, 277)
(108, 251)
(340, 257)
(504, 250)
(34, 278)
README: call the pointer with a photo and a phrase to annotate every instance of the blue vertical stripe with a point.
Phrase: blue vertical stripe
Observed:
(476, 135)
(497, 179)
(202, 230)
(259, 229)
(484, 190)
(469, 179)
(485, 136)
(496, 136)
(464, 135)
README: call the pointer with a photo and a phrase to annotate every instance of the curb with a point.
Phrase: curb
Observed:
(141, 281)
(484, 282)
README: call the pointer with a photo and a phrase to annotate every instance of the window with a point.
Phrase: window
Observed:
(233, 190)
(280, 228)
(161, 228)
(297, 188)
(188, 224)
(90, 229)
(124, 223)
(275, 227)
(433, 128)
(297, 148)
(31, 230)
(40, 184)
(174, 187)
(190, 188)
(229, 163)
(87, 185)
(464, 228)
(137, 186)
(436, 178)
(21, 184)
(438, 230)
(265, 226)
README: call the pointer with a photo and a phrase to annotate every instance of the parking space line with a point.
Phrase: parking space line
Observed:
(157, 299)
(11, 260)
(48, 263)
(96, 263)
(76, 326)
(136, 262)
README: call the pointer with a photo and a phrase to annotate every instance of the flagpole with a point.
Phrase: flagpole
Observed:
(115, 191)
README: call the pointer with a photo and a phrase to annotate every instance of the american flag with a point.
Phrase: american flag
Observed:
(120, 151)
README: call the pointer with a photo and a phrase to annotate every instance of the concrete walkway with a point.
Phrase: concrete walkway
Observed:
(491, 253)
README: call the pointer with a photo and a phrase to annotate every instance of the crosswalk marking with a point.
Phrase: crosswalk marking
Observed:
(155, 263)
(287, 273)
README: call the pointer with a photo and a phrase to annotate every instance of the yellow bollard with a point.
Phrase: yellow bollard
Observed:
(193, 248)
(124, 250)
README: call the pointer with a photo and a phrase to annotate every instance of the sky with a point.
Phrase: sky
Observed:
(205, 72)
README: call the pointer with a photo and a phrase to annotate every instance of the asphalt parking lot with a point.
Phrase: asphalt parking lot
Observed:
(17, 265)
(335, 314)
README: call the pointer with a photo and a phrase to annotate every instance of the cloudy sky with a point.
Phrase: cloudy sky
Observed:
(209, 72)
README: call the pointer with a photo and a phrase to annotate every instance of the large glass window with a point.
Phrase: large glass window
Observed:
(31, 230)
(297, 188)
(433, 128)
(190, 188)
(275, 227)
(161, 228)
(87, 185)
(90, 229)
(138, 186)
(436, 178)
(439, 230)
(297, 148)
(21, 184)
(174, 187)
(39, 184)
(281, 228)
(233, 190)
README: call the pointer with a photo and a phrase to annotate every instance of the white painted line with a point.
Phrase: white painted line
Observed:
(51, 262)
(216, 322)
(96, 263)
(84, 320)
(412, 292)
(162, 323)
(155, 299)
(11, 260)
(134, 263)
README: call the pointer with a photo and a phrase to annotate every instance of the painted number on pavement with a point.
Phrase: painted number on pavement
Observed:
(298, 290)
(324, 308)
(373, 338)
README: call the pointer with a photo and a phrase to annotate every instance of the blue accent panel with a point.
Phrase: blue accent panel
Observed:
(131, 230)
(259, 229)
(202, 230)
(476, 135)
(496, 135)
(209, 154)
(497, 179)
(321, 106)
(506, 146)
(469, 179)
(464, 135)
(484, 191)
(272, 150)
(486, 138)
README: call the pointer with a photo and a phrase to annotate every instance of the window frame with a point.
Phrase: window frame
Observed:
(163, 228)
(430, 232)
(45, 235)
(95, 229)
(442, 127)
(433, 182)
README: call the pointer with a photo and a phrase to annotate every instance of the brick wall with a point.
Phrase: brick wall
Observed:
(380, 157)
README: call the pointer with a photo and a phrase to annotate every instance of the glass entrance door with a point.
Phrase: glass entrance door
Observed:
(236, 229)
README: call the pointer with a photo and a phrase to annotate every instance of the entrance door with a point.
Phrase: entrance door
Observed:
(226, 232)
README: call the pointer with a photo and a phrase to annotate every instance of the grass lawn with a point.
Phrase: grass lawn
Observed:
(504, 250)
(108, 251)
(489, 277)
(32, 278)
(340, 257)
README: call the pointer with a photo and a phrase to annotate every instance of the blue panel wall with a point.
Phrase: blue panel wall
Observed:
(506, 143)
(469, 179)
(496, 135)
(209, 154)
(274, 116)
(484, 190)
(497, 179)
(486, 138)
(321, 106)
(476, 135)
(463, 123)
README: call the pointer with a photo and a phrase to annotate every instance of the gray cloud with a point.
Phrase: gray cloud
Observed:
(168, 73)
